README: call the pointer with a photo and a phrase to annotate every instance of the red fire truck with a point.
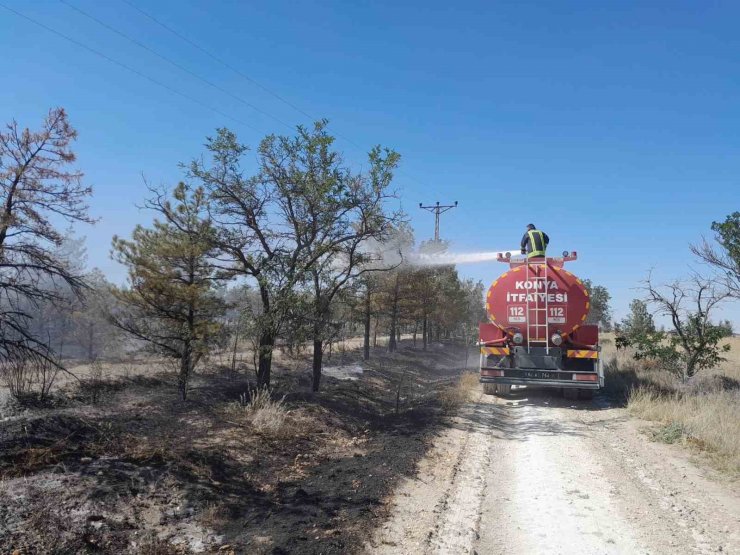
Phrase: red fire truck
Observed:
(537, 333)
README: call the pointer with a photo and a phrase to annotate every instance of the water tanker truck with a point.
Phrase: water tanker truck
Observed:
(537, 333)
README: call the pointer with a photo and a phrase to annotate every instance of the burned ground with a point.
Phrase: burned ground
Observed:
(142, 472)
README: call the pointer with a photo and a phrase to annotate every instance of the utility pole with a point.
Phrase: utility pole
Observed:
(437, 209)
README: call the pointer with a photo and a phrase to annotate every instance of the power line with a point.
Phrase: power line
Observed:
(192, 73)
(173, 63)
(437, 209)
(218, 59)
(182, 68)
(246, 77)
(234, 69)
(129, 68)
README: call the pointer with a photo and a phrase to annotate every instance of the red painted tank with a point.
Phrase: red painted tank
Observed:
(567, 300)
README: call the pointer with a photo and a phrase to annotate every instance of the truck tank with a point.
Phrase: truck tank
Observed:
(536, 334)
(525, 295)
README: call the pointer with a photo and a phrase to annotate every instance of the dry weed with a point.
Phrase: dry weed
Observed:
(144, 450)
(94, 381)
(469, 381)
(258, 408)
(452, 398)
(29, 381)
(215, 516)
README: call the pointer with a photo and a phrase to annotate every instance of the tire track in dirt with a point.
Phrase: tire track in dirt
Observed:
(438, 510)
(534, 473)
(459, 513)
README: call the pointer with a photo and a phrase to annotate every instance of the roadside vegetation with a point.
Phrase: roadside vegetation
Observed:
(460, 392)
(290, 250)
(242, 390)
(687, 377)
(701, 413)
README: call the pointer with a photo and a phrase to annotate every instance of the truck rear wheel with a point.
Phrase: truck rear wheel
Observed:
(503, 388)
(489, 388)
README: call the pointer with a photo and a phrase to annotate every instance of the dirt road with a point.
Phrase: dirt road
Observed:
(534, 473)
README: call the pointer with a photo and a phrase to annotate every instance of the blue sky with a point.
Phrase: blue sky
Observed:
(611, 125)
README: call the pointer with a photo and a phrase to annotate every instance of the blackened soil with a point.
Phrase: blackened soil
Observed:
(146, 473)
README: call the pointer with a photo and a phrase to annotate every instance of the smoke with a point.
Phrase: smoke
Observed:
(447, 258)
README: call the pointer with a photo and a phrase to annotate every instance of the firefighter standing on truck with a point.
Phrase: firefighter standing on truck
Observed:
(534, 242)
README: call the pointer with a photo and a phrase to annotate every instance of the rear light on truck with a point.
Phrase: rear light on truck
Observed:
(491, 373)
(586, 377)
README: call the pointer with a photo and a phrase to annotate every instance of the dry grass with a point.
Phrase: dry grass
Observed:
(709, 421)
(267, 415)
(215, 516)
(702, 413)
(453, 397)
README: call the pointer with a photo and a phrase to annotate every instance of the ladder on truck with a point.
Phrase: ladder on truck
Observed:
(539, 281)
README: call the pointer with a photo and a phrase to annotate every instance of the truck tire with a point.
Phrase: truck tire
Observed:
(586, 394)
(503, 388)
(489, 388)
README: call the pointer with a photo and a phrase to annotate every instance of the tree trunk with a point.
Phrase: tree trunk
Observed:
(185, 367)
(266, 342)
(62, 338)
(416, 328)
(266, 345)
(375, 333)
(465, 342)
(366, 340)
(425, 331)
(392, 345)
(318, 352)
(90, 342)
(236, 345)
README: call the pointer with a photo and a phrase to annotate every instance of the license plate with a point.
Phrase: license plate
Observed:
(540, 375)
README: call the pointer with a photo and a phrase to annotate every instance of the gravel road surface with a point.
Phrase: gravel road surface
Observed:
(535, 473)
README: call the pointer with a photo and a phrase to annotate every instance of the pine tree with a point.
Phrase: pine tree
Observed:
(171, 301)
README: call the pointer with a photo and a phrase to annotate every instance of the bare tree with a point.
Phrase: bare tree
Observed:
(93, 333)
(724, 256)
(694, 343)
(37, 190)
(370, 289)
